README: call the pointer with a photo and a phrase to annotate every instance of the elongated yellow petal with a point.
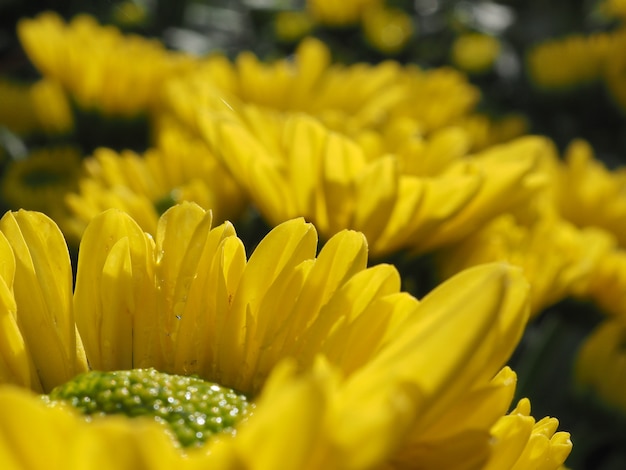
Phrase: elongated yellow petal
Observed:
(376, 193)
(103, 264)
(43, 292)
(282, 249)
(218, 269)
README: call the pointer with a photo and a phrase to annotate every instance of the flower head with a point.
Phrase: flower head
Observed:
(559, 259)
(41, 180)
(423, 197)
(475, 53)
(323, 344)
(102, 69)
(588, 194)
(180, 168)
(41, 107)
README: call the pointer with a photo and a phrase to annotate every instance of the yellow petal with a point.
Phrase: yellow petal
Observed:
(43, 293)
(99, 250)
(283, 248)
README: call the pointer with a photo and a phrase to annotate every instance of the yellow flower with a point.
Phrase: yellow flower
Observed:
(561, 64)
(293, 166)
(291, 26)
(475, 53)
(180, 168)
(338, 14)
(601, 364)
(41, 180)
(336, 358)
(39, 107)
(589, 194)
(387, 29)
(559, 259)
(102, 69)
(607, 286)
(350, 99)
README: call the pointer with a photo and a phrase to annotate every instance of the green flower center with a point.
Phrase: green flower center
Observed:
(193, 409)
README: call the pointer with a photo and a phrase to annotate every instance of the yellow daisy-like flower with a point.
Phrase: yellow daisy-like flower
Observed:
(559, 259)
(103, 70)
(39, 107)
(41, 180)
(387, 29)
(291, 166)
(475, 53)
(338, 361)
(561, 64)
(607, 286)
(291, 26)
(338, 14)
(350, 99)
(180, 168)
(601, 363)
(591, 195)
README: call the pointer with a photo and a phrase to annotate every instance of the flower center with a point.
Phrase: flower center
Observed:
(193, 409)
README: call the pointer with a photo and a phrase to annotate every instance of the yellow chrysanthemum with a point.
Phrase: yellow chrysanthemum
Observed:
(559, 259)
(475, 53)
(591, 195)
(180, 168)
(607, 286)
(292, 26)
(333, 13)
(387, 29)
(337, 359)
(41, 180)
(291, 166)
(601, 363)
(349, 99)
(561, 64)
(40, 107)
(102, 69)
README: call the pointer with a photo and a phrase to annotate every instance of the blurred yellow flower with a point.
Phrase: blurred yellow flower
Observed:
(562, 64)
(41, 180)
(475, 53)
(338, 14)
(102, 69)
(588, 194)
(607, 286)
(350, 99)
(291, 26)
(180, 168)
(387, 29)
(291, 165)
(601, 363)
(559, 259)
(41, 107)
(336, 358)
